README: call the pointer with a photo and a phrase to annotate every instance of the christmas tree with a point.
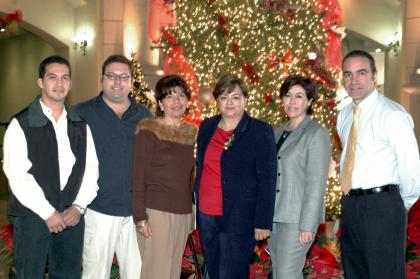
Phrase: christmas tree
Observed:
(141, 91)
(262, 42)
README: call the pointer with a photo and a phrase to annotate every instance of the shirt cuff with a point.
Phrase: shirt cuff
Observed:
(46, 212)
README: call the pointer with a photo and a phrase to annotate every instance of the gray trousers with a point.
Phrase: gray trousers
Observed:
(288, 256)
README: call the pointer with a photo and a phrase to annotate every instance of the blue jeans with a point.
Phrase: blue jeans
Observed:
(227, 255)
(33, 244)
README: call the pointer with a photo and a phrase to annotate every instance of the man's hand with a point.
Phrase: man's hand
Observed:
(55, 223)
(144, 228)
(261, 234)
(71, 216)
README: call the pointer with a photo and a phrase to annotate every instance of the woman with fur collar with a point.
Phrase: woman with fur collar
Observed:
(163, 169)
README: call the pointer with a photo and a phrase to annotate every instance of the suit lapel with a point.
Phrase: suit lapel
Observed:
(296, 133)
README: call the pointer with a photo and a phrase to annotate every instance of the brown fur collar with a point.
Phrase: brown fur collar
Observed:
(185, 134)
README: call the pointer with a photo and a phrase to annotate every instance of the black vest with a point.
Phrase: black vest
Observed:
(43, 154)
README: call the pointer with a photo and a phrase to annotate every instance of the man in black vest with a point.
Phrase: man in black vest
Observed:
(52, 168)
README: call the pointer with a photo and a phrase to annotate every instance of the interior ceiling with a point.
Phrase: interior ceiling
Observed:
(13, 29)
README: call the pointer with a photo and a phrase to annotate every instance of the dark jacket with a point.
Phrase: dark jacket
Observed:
(248, 173)
(43, 154)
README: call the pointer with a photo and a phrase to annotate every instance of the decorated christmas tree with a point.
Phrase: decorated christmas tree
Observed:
(262, 42)
(141, 91)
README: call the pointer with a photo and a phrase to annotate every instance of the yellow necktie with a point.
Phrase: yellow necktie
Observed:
(350, 153)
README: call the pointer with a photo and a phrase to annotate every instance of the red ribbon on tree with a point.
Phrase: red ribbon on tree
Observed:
(161, 15)
(333, 17)
(171, 38)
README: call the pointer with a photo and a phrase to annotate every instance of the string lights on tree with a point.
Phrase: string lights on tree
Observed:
(141, 91)
(262, 42)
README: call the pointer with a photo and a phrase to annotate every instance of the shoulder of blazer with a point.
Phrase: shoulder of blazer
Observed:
(313, 126)
(208, 123)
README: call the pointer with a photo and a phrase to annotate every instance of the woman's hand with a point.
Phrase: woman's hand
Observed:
(144, 228)
(305, 237)
(261, 234)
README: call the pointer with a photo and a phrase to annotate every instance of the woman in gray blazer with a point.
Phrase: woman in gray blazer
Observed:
(303, 156)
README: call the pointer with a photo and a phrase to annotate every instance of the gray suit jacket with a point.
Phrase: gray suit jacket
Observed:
(303, 161)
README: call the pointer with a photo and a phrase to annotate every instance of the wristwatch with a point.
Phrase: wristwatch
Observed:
(82, 210)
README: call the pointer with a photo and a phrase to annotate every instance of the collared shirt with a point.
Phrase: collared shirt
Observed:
(17, 165)
(386, 149)
(114, 139)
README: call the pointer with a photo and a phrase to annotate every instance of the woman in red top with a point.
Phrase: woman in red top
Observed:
(235, 183)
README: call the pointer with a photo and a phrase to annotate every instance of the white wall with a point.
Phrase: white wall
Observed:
(20, 57)
(377, 20)
(58, 22)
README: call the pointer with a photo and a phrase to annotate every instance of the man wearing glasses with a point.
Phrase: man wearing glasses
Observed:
(112, 116)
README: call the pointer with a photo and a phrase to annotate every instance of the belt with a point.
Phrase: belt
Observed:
(375, 190)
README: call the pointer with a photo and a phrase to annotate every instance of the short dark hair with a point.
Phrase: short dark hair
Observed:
(228, 83)
(117, 58)
(362, 53)
(165, 87)
(306, 83)
(54, 59)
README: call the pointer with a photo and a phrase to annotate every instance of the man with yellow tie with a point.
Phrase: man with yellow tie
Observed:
(380, 175)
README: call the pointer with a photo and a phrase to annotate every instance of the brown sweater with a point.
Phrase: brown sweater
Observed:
(163, 168)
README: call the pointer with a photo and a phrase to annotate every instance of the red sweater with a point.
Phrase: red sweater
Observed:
(210, 196)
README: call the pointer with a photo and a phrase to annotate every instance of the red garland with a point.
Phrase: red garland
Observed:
(171, 38)
(8, 18)
(333, 50)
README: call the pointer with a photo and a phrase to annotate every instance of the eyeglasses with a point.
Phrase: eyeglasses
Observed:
(122, 77)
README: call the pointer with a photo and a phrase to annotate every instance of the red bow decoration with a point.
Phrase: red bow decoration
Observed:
(272, 60)
(268, 98)
(324, 77)
(171, 38)
(250, 72)
(235, 48)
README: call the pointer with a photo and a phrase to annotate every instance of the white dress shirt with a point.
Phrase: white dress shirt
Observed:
(24, 186)
(386, 149)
